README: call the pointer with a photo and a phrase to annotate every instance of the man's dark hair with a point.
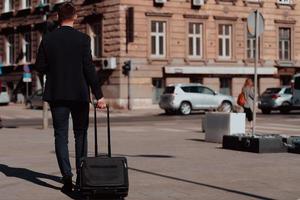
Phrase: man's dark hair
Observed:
(67, 11)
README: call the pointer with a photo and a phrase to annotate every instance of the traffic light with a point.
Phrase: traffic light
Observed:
(126, 68)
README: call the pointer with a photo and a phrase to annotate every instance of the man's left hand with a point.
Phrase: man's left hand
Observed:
(101, 103)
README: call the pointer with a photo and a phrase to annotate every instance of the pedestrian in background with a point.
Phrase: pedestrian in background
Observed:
(248, 92)
(65, 57)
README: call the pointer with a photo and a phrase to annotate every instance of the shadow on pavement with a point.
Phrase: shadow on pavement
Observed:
(202, 184)
(34, 177)
(29, 175)
(148, 156)
(196, 140)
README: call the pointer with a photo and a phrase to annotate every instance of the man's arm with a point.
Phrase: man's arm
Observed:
(41, 63)
(89, 70)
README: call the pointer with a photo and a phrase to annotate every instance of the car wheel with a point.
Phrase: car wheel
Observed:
(226, 107)
(285, 108)
(185, 108)
(266, 111)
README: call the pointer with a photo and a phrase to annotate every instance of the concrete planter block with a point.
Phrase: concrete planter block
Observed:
(219, 124)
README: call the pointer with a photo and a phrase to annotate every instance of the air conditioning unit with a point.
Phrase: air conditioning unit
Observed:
(198, 2)
(109, 63)
(160, 1)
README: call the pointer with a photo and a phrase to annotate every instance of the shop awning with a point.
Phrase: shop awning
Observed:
(219, 70)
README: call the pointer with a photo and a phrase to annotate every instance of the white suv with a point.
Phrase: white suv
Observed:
(4, 97)
(188, 97)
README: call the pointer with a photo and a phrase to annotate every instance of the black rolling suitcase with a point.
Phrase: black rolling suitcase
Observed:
(104, 176)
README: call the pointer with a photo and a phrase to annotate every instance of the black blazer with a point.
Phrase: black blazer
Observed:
(65, 57)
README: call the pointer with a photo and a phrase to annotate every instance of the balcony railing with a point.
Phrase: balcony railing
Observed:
(290, 3)
(259, 2)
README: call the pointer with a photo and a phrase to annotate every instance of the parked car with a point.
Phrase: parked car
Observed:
(187, 97)
(296, 90)
(4, 97)
(277, 98)
(35, 100)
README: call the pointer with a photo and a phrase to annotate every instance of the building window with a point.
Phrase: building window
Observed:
(196, 80)
(8, 5)
(158, 39)
(96, 40)
(10, 49)
(225, 38)
(251, 47)
(26, 4)
(284, 1)
(285, 80)
(225, 86)
(195, 40)
(27, 46)
(284, 44)
(158, 88)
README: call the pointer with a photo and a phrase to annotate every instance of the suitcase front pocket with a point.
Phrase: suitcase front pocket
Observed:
(99, 172)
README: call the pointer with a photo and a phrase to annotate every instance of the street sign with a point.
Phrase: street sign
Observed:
(27, 77)
(252, 25)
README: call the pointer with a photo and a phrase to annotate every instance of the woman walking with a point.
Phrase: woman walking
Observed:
(248, 92)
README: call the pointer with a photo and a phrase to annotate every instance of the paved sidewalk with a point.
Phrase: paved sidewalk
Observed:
(167, 160)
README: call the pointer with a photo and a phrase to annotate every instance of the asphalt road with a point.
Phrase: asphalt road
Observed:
(287, 124)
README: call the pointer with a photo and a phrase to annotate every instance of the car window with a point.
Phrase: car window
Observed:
(3, 89)
(207, 91)
(169, 90)
(186, 89)
(194, 89)
(272, 91)
(288, 91)
(191, 89)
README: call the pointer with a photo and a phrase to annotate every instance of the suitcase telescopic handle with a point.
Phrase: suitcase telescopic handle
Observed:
(108, 129)
(95, 129)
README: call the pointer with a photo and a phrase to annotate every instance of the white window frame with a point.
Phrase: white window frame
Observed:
(24, 2)
(8, 6)
(92, 35)
(44, 2)
(252, 47)
(282, 45)
(194, 37)
(284, 1)
(60, 1)
(224, 37)
(24, 45)
(8, 45)
(157, 35)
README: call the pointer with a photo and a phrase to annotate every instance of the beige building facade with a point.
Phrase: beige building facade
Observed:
(177, 41)
(210, 45)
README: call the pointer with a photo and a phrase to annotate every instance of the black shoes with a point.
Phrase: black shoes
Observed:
(68, 185)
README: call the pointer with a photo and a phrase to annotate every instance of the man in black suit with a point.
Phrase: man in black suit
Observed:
(65, 57)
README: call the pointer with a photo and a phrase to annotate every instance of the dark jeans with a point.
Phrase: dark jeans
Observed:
(80, 115)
